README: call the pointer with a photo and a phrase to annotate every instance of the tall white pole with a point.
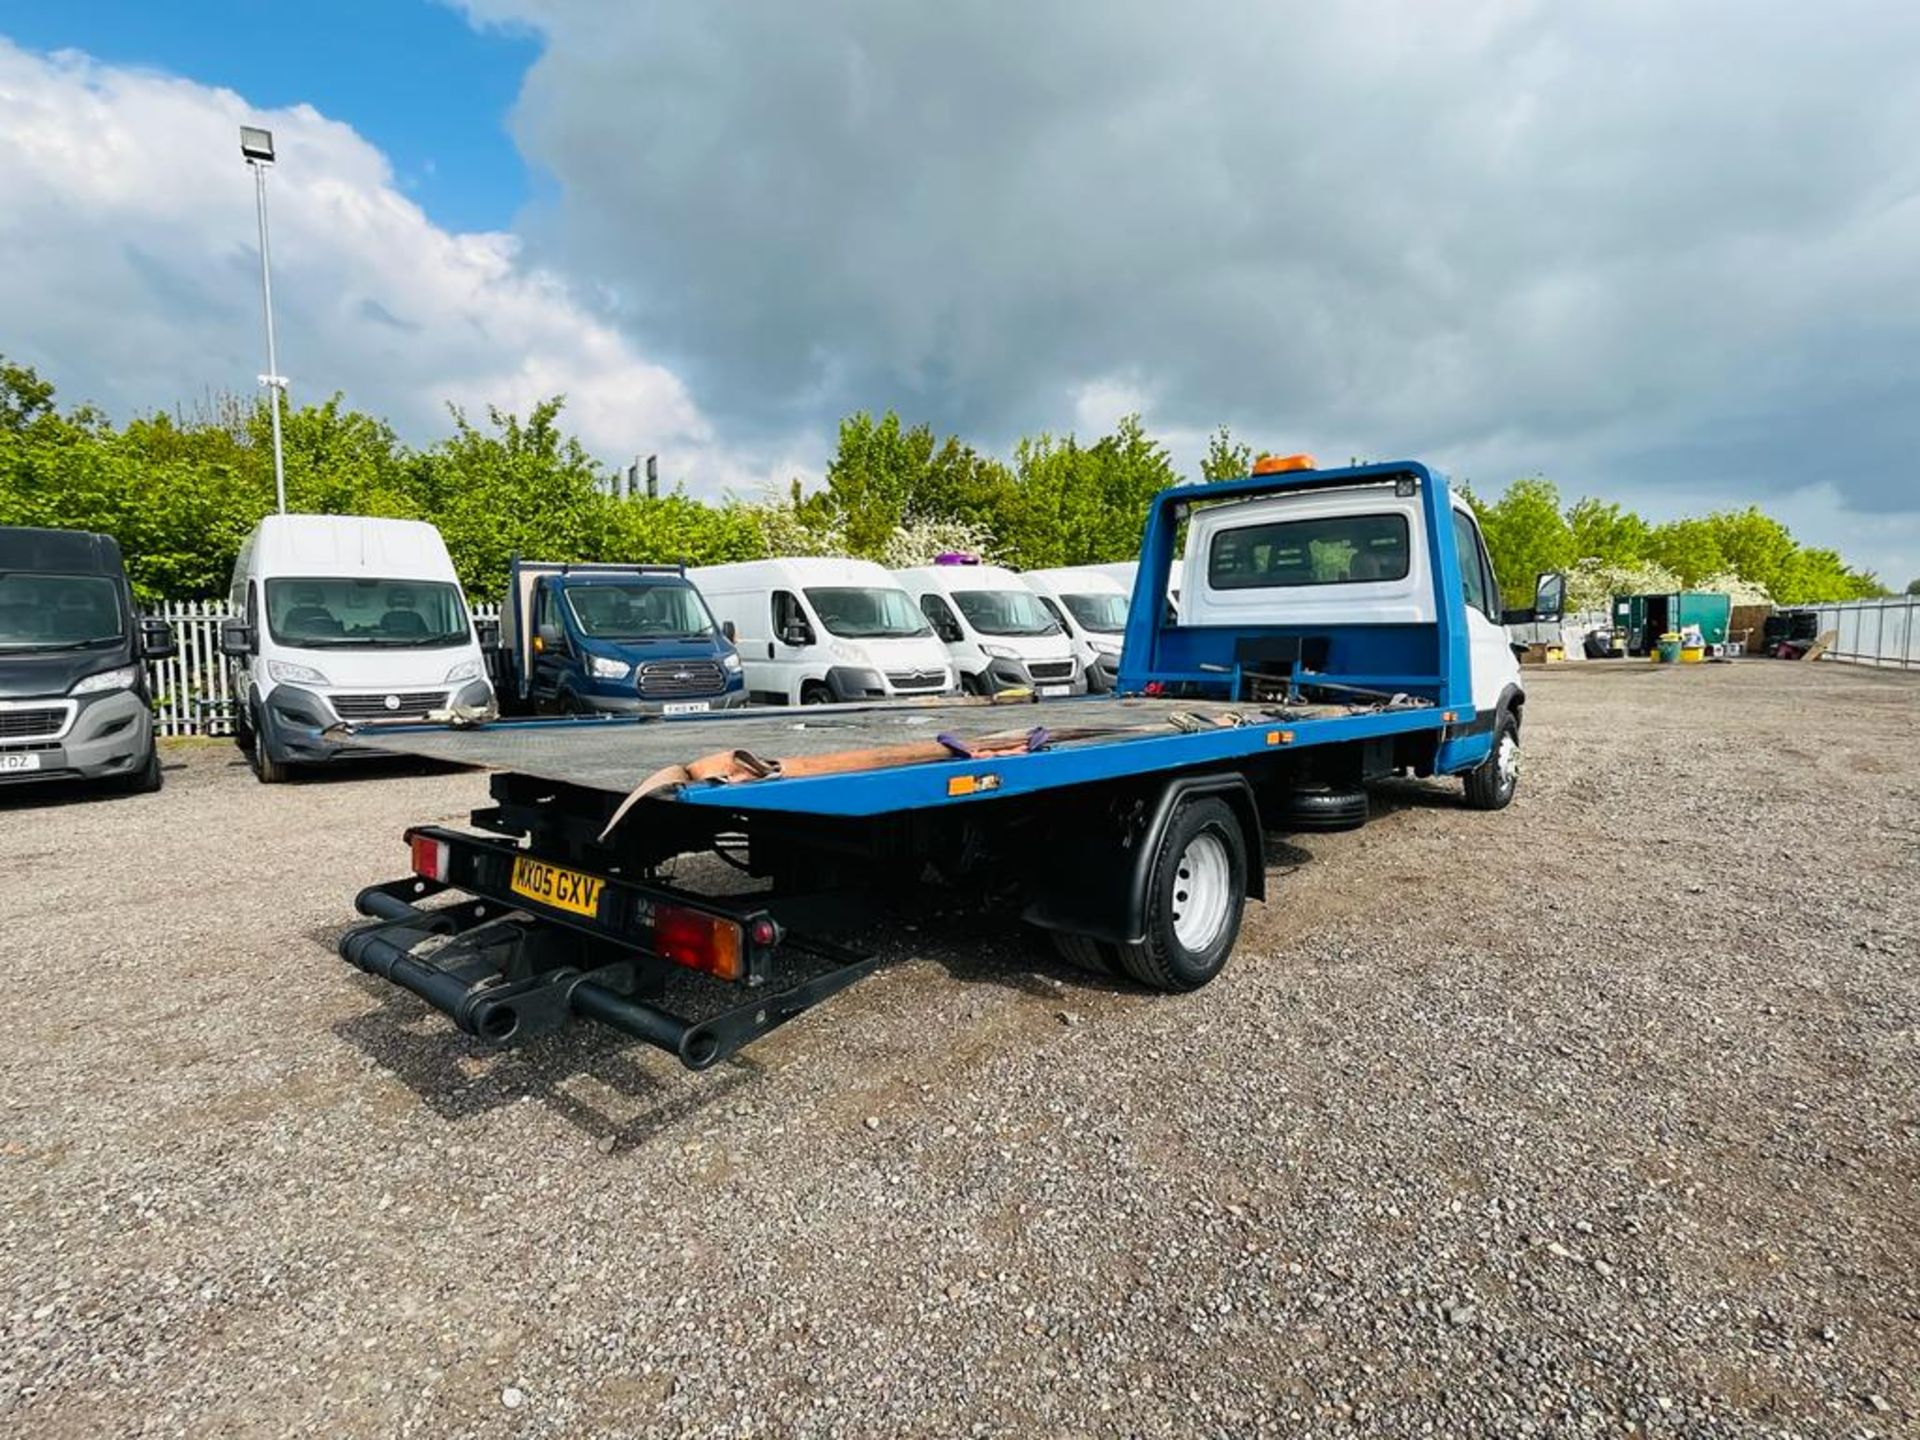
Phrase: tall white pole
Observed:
(273, 380)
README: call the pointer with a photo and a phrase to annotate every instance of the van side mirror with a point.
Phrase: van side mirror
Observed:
(797, 633)
(1549, 601)
(238, 639)
(1549, 597)
(156, 639)
(726, 629)
(548, 637)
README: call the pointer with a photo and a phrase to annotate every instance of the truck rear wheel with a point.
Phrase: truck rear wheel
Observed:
(1195, 894)
(1491, 783)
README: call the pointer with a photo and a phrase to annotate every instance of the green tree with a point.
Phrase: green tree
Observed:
(1605, 532)
(1526, 534)
(1913, 586)
(1226, 458)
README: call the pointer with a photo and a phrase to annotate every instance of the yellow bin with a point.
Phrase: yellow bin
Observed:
(1692, 654)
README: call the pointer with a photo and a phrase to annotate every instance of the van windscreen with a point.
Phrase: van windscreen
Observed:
(1100, 612)
(863, 613)
(58, 612)
(1005, 612)
(640, 610)
(351, 614)
(1326, 550)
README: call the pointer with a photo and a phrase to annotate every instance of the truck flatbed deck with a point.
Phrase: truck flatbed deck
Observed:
(1085, 738)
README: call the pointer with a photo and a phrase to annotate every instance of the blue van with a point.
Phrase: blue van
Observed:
(613, 640)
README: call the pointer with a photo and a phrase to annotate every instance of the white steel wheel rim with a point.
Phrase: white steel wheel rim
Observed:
(1202, 892)
(1507, 761)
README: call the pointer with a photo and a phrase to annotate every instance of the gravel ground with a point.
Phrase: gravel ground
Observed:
(1598, 1116)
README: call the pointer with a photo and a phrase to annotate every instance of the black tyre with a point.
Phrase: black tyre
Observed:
(1321, 806)
(266, 769)
(1083, 952)
(1490, 784)
(147, 779)
(1195, 894)
(815, 693)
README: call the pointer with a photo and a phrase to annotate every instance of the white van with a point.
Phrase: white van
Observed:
(1091, 606)
(814, 629)
(346, 617)
(996, 630)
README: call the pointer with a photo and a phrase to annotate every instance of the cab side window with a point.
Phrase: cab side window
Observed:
(790, 625)
(940, 617)
(1474, 579)
(1059, 615)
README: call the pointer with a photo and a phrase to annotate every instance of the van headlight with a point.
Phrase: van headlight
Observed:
(1104, 647)
(999, 652)
(121, 679)
(285, 672)
(605, 669)
(732, 661)
(465, 670)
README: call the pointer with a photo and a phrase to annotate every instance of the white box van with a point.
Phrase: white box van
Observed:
(346, 617)
(1091, 606)
(996, 630)
(814, 629)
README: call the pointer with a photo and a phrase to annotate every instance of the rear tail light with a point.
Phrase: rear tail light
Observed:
(430, 857)
(699, 941)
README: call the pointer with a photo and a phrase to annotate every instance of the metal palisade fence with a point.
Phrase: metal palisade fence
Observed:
(1873, 632)
(191, 691)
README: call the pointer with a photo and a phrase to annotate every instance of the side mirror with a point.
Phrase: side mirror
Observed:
(797, 634)
(156, 640)
(1549, 597)
(487, 632)
(726, 629)
(237, 639)
(548, 637)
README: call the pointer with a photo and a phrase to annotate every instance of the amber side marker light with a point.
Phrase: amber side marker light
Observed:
(1280, 464)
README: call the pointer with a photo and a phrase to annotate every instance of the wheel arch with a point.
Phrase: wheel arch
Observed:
(1102, 891)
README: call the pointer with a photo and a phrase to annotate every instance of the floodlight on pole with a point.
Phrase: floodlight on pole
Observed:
(256, 146)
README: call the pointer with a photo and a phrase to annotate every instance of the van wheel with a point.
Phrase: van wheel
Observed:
(1195, 895)
(266, 769)
(147, 779)
(815, 693)
(1491, 783)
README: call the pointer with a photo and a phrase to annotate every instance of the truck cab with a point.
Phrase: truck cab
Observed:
(74, 696)
(1334, 585)
(997, 633)
(613, 640)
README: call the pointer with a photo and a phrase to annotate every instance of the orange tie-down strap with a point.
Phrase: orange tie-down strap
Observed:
(732, 767)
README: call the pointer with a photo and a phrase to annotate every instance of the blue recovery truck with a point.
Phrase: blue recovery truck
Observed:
(1335, 627)
(592, 639)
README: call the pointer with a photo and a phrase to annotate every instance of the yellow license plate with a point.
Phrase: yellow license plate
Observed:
(556, 886)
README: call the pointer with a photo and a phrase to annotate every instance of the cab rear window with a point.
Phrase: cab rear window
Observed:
(1329, 550)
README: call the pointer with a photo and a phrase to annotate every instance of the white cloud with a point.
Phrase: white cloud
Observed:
(1635, 246)
(130, 273)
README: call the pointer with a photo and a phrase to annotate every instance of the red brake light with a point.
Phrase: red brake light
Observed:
(699, 941)
(429, 857)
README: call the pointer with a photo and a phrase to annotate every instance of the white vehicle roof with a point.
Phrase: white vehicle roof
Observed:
(348, 545)
(1074, 580)
(793, 572)
(948, 578)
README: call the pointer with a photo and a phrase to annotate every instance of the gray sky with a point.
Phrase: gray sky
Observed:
(1669, 253)
(1664, 253)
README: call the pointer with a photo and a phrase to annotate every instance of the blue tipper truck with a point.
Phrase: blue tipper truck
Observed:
(1335, 627)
